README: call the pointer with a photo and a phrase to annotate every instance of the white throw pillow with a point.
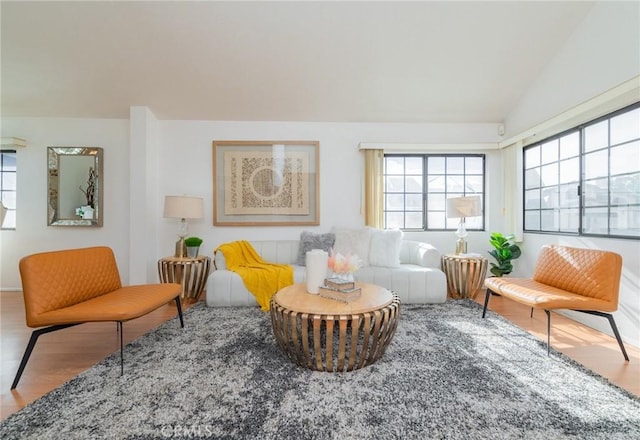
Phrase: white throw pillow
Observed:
(385, 247)
(353, 242)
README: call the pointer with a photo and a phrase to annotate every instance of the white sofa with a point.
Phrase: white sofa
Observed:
(417, 280)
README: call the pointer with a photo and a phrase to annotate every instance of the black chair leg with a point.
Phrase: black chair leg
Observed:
(121, 349)
(548, 331)
(487, 295)
(32, 343)
(614, 327)
(179, 307)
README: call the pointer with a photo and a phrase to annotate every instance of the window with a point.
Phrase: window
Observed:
(586, 180)
(416, 187)
(8, 186)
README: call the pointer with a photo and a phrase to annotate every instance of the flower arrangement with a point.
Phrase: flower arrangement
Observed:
(339, 263)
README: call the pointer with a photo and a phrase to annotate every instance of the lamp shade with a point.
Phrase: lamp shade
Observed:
(458, 207)
(183, 207)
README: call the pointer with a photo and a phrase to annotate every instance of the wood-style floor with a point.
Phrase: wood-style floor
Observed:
(61, 355)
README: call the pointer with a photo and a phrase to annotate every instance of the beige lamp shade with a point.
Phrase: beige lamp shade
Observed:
(460, 207)
(183, 207)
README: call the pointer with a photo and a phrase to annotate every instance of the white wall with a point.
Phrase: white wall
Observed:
(601, 54)
(32, 233)
(176, 158)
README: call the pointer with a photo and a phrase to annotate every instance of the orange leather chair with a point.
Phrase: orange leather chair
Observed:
(583, 280)
(70, 287)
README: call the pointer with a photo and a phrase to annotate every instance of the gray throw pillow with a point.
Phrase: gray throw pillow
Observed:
(310, 241)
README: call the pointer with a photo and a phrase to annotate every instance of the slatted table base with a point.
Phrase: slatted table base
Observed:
(191, 273)
(335, 343)
(465, 275)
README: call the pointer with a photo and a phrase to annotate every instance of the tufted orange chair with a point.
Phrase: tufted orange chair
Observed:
(583, 280)
(70, 287)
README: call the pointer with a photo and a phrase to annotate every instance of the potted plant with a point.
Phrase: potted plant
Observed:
(505, 251)
(193, 246)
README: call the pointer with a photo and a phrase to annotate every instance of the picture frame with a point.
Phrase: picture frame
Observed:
(266, 183)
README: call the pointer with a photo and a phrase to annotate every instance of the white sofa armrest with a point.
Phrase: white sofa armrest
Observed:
(419, 253)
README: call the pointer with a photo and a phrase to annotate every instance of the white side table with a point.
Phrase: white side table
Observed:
(465, 274)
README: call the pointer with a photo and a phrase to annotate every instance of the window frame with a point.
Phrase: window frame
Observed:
(582, 178)
(3, 191)
(425, 190)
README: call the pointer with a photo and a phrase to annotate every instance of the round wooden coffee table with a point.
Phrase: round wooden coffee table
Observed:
(328, 335)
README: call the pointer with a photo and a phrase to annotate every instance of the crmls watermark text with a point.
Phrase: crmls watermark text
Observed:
(186, 431)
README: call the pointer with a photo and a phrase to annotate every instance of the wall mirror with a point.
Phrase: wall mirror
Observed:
(74, 186)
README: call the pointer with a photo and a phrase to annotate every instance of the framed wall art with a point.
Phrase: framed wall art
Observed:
(265, 183)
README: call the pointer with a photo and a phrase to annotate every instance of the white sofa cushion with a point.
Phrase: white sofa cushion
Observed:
(353, 242)
(385, 247)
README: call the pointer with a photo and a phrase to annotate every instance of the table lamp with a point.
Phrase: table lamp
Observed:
(183, 207)
(461, 207)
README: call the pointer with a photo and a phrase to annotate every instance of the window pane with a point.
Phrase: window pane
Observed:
(394, 220)
(532, 157)
(596, 136)
(550, 152)
(569, 220)
(596, 192)
(414, 184)
(570, 145)
(570, 170)
(550, 220)
(436, 165)
(625, 190)
(569, 196)
(9, 201)
(595, 221)
(550, 174)
(625, 221)
(532, 220)
(436, 220)
(473, 184)
(596, 164)
(394, 202)
(455, 184)
(625, 127)
(625, 158)
(455, 165)
(436, 202)
(394, 165)
(532, 178)
(474, 165)
(436, 184)
(394, 184)
(413, 165)
(550, 197)
(9, 181)
(413, 220)
(414, 202)
(532, 199)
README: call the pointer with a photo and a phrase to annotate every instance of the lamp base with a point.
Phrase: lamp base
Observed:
(181, 248)
(461, 246)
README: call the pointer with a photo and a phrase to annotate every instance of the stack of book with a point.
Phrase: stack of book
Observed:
(340, 290)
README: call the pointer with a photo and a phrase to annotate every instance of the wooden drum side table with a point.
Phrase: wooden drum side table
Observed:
(190, 273)
(327, 335)
(465, 274)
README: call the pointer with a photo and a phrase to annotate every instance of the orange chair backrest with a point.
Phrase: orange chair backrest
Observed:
(54, 280)
(587, 272)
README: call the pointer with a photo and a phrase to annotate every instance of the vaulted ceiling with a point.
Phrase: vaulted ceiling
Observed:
(279, 61)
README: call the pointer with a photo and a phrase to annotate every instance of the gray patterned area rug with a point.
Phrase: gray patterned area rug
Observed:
(447, 374)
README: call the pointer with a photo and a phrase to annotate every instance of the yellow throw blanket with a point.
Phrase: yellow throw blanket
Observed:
(261, 278)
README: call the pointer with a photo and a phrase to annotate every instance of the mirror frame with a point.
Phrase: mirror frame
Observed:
(53, 171)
